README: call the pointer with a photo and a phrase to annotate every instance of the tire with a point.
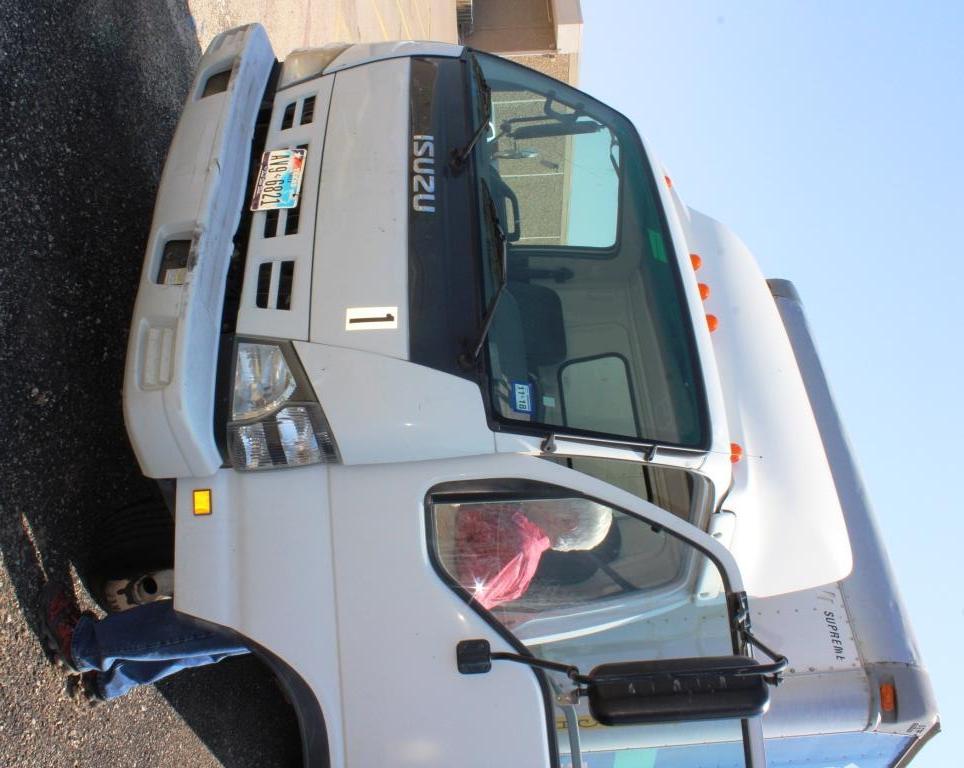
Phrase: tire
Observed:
(129, 544)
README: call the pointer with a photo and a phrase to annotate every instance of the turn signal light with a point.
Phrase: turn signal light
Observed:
(704, 291)
(736, 452)
(202, 501)
(888, 697)
(713, 322)
(696, 261)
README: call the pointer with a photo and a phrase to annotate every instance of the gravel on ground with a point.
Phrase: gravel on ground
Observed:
(90, 96)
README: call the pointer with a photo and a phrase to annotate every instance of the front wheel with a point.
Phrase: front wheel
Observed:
(133, 556)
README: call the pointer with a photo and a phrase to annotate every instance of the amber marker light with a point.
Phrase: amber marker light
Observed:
(202, 501)
(736, 452)
(712, 322)
(704, 291)
(669, 181)
(696, 261)
(888, 697)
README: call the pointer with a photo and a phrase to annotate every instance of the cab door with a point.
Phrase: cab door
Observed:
(407, 595)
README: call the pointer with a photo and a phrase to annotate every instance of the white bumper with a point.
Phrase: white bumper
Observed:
(171, 369)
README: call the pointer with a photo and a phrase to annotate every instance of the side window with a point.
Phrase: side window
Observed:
(584, 583)
(686, 494)
(550, 564)
(509, 553)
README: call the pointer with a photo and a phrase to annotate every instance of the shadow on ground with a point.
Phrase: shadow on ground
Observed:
(92, 92)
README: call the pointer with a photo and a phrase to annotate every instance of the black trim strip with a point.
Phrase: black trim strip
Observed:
(443, 244)
(315, 751)
(235, 277)
(316, 257)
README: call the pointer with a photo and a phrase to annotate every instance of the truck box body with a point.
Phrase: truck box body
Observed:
(486, 297)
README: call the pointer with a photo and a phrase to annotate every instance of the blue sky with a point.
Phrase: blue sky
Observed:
(829, 137)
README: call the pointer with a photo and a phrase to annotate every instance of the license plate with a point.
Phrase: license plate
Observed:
(279, 179)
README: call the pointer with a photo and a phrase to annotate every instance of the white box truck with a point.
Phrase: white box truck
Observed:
(409, 312)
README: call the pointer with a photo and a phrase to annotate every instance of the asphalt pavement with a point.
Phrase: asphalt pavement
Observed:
(89, 97)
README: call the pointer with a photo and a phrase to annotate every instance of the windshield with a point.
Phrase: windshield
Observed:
(582, 583)
(592, 333)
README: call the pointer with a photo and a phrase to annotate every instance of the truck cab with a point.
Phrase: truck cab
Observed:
(481, 293)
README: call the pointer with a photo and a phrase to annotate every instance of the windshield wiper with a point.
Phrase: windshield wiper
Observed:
(466, 359)
(460, 155)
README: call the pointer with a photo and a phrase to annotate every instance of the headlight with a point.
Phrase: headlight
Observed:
(262, 380)
(307, 63)
(276, 420)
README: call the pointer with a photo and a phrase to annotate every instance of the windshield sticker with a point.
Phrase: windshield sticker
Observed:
(656, 246)
(521, 397)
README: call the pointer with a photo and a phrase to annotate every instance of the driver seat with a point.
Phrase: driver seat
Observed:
(542, 324)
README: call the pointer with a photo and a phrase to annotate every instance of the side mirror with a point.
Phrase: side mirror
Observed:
(706, 688)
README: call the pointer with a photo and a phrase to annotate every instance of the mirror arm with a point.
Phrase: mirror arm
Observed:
(474, 657)
(741, 621)
(773, 672)
(567, 669)
(567, 704)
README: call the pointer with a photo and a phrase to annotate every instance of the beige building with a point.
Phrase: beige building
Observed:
(543, 34)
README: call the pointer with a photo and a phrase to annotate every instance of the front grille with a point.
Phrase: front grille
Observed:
(280, 297)
(291, 221)
(307, 110)
(271, 222)
(264, 285)
(235, 276)
(306, 114)
(279, 238)
(284, 285)
(288, 119)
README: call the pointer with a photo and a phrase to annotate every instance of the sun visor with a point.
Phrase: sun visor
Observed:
(790, 533)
